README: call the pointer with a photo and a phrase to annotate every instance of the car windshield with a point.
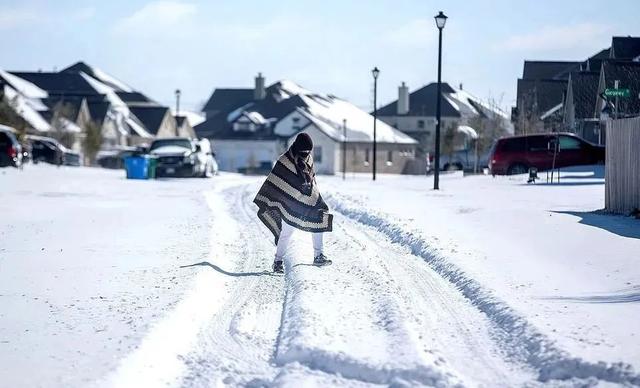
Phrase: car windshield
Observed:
(184, 143)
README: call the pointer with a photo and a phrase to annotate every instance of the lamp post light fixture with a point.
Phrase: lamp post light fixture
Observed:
(177, 92)
(375, 72)
(441, 20)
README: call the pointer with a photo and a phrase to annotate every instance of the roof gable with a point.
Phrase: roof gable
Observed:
(584, 90)
(150, 116)
(226, 100)
(59, 83)
(549, 69)
(422, 102)
(625, 47)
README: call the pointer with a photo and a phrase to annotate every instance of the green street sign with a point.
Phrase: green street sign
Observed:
(617, 92)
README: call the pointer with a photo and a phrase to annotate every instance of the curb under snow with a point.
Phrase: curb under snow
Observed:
(521, 338)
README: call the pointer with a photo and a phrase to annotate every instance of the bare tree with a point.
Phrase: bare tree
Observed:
(92, 141)
(60, 123)
(10, 117)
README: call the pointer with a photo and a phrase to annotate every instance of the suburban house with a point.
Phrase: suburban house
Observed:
(580, 106)
(565, 95)
(415, 113)
(252, 127)
(51, 103)
(620, 75)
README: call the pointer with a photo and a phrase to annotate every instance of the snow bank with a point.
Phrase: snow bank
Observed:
(337, 321)
(520, 339)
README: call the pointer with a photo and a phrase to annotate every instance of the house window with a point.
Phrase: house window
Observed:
(317, 154)
(421, 124)
(366, 157)
(296, 124)
(389, 158)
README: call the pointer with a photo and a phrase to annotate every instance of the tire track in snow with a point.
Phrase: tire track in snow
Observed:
(235, 348)
(346, 319)
(519, 339)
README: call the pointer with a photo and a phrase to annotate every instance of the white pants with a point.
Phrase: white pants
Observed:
(285, 238)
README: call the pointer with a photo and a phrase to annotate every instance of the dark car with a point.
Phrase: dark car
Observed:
(184, 157)
(516, 154)
(115, 159)
(49, 150)
(10, 149)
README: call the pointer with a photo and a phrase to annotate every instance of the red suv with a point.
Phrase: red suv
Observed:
(515, 154)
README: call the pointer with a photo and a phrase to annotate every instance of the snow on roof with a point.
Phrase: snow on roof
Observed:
(23, 86)
(25, 109)
(234, 114)
(551, 111)
(255, 117)
(467, 130)
(194, 118)
(102, 76)
(328, 114)
(70, 126)
(102, 88)
(137, 128)
(471, 103)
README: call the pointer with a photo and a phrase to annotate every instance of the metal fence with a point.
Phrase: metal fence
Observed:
(622, 171)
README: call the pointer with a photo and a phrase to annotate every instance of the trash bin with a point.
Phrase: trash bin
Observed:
(137, 167)
(153, 163)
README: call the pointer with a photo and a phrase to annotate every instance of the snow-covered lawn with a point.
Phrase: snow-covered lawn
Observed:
(488, 282)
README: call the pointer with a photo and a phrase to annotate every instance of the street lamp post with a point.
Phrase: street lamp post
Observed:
(375, 73)
(177, 102)
(344, 149)
(441, 20)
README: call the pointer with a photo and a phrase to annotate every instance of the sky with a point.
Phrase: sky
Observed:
(327, 46)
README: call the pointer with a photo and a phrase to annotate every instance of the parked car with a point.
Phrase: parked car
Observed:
(516, 154)
(181, 156)
(10, 149)
(49, 150)
(115, 158)
(463, 160)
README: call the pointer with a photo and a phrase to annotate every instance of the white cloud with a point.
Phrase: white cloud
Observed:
(156, 16)
(12, 18)
(21, 17)
(416, 33)
(557, 38)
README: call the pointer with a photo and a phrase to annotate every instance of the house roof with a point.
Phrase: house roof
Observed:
(594, 62)
(226, 100)
(540, 95)
(625, 47)
(98, 110)
(584, 90)
(98, 74)
(180, 120)
(58, 83)
(548, 69)
(422, 102)
(285, 97)
(628, 73)
(150, 116)
(135, 97)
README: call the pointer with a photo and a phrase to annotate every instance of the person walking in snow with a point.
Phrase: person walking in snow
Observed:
(289, 199)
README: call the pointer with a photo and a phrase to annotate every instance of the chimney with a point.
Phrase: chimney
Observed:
(460, 85)
(259, 92)
(403, 99)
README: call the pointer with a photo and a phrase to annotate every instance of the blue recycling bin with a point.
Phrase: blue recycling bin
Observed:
(137, 167)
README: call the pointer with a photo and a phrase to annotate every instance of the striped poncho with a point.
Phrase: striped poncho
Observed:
(284, 197)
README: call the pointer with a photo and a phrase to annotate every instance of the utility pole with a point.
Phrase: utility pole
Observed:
(344, 149)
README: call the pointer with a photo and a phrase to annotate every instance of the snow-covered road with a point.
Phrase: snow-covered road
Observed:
(385, 313)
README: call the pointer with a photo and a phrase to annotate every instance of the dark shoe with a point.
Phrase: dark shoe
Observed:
(278, 267)
(321, 260)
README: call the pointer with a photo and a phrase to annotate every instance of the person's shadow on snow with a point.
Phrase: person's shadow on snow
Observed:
(222, 271)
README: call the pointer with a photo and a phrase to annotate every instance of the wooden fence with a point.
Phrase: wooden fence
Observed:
(622, 171)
